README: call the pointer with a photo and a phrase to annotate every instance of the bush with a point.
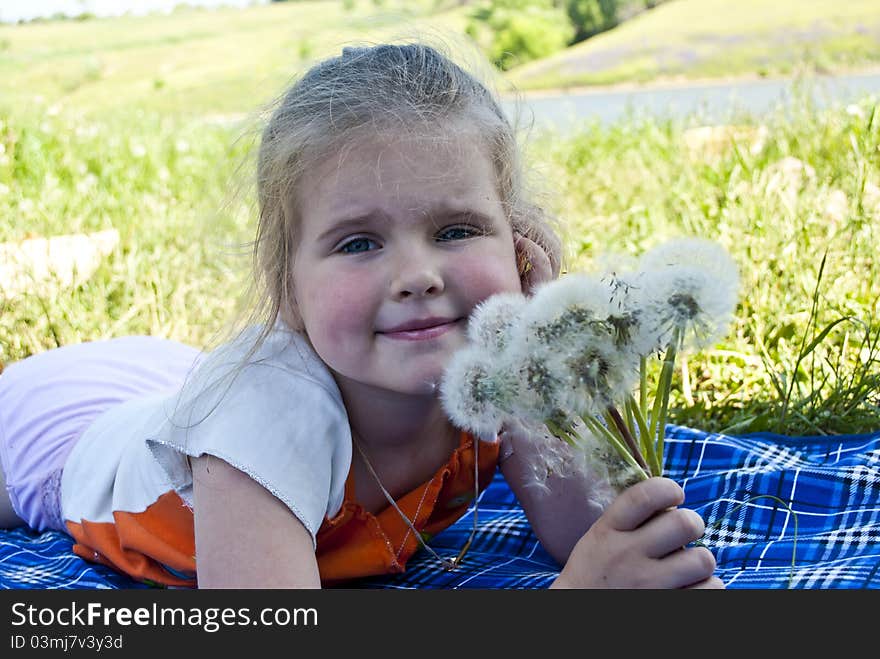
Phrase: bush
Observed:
(591, 17)
(513, 32)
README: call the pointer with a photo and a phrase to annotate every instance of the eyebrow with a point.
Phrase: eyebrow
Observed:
(350, 223)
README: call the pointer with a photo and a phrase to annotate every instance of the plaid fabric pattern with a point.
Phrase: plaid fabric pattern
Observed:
(785, 512)
(781, 512)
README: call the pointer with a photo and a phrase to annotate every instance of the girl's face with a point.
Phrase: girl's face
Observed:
(399, 239)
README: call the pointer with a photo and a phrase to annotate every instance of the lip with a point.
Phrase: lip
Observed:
(421, 329)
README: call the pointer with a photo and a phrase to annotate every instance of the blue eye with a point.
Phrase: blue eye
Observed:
(357, 246)
(458, 233)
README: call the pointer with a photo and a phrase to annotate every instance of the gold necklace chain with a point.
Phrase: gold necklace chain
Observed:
(447, 564)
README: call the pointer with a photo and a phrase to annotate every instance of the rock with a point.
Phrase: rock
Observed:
(47, 265)
(710, 142)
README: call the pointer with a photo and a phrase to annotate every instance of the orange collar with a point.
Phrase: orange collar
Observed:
(356, 543)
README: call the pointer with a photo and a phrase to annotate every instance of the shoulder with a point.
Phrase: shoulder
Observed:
(278, 367)
(271, 409)
(280, 351)
(273, 387)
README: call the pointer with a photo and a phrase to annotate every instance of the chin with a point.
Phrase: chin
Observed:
(429, 388)
(415, 386)
(427, 384)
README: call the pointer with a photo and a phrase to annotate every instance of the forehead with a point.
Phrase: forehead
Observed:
(406, 171)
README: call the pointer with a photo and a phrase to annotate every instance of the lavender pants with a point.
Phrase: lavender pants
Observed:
(49, 399)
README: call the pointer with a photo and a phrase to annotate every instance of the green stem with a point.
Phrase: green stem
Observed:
(664, 409)
(561, 433)
(631, 424)
(661, 399)
(613, 415)
(603, 432)
(645, 440)
(643, 386)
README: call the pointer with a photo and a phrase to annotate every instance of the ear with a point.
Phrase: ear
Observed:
(532, 262)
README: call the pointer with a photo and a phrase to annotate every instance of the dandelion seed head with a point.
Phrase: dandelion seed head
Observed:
(551, 457)
(589, 373)
(627, 315)
(624, 327)
(683, 307)
(701, 253)
(592, 459)
(539, 389)
(474, 395)
(709, 282)
(584, 290)
(623, 475)
(560, 308)
(594, 370)
(689, 298)
(492, 320)
(611, 473)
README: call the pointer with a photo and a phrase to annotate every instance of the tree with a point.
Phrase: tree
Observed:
(513, 32)
(590, 17)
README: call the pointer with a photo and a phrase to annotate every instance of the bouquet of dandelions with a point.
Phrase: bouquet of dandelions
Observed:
(571, 362)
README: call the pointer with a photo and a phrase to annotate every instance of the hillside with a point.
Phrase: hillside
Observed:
(196, 61)
(718, 38)
(199, 62)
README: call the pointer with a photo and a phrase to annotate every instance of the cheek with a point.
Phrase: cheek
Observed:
(336, 309)
(481, 277)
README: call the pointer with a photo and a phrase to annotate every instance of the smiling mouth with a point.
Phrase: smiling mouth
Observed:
(427, 332)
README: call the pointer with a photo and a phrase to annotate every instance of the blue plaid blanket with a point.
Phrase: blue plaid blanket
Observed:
(781, 512)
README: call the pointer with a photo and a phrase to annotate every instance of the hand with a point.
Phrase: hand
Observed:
(640, 542)
(533, 263)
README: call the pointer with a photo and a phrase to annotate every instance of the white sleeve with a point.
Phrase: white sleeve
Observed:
(285, 429)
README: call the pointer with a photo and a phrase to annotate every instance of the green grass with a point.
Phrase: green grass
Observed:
(197, 62)
(692, 39)
(625, 187)
(165, 185)
(160, 163)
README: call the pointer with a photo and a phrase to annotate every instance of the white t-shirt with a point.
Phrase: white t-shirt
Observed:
(279, 418)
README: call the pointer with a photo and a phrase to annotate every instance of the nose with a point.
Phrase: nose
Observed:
(417, 276)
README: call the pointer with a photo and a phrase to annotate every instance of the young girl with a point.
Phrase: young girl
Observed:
(313, 448)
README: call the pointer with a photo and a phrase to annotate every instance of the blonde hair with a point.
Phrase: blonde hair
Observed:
(409, 87)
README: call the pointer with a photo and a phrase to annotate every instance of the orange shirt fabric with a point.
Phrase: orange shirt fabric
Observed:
(157, 545)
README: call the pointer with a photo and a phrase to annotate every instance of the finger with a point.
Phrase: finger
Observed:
(687, 567)
(712, 583)
(533, 263)
(637, 504)
(671, 530)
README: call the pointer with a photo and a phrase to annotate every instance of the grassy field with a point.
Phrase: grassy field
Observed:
(227, 61)
(688, 39)
(167, 165)
(781, 195)
(197, 62)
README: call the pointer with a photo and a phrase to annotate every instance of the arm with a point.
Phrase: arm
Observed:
(246, 537)
(560, 510)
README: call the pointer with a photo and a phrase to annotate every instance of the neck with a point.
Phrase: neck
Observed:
(390, 421)
(405, 440)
